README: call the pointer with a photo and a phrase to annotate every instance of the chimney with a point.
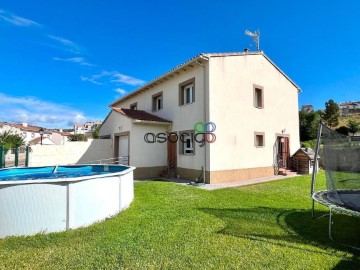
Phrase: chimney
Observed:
(24, 124)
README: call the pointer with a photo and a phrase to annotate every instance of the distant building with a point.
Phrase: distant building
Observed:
(307, 108)
(32, 133)
(88, 128)
(349, 107)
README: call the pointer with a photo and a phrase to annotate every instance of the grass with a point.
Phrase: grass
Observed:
(263, 226)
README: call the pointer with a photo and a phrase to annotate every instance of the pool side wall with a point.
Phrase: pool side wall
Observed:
(28, 209)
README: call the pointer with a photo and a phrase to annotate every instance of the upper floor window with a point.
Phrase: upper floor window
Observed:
(157, 101)
(258, 97)
(187, 92)
(133, 106)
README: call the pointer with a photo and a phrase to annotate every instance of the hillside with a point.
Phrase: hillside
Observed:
(345, 119)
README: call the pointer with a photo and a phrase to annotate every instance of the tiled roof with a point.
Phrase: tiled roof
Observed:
(140, 115)
(27, 128)
(38, 140)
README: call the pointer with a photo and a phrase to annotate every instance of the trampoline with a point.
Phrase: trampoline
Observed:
(340, 157)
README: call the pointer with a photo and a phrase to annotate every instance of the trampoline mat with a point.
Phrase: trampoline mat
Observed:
(349, 199)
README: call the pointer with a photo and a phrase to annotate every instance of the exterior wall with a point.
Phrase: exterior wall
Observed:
(232, 109)
(183, 117)
(223, 95)
(70, 153)
(151, 157)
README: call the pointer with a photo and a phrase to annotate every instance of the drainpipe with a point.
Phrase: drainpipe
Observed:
(205, 114)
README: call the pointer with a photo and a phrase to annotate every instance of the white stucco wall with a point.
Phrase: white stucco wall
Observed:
(183, 117)
(70, 153)
(141, 154)
(231, 108)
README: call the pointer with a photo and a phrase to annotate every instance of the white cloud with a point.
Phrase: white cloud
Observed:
(120, 91)
(17, 20)
(79, 60)
(39, 112)
(66, 43)
(118, 77)
(112, 77)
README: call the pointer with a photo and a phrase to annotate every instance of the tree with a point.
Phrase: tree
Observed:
(353, 126)
(332, 113)
(309, 122)
(96, 133)
(343, 130)
(10, 140)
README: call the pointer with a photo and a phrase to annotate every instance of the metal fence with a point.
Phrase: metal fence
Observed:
(14, 157)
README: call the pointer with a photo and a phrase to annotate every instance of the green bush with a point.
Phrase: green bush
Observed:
(309, 144)
(77, 137)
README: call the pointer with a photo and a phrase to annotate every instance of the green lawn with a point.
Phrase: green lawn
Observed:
(263, 226)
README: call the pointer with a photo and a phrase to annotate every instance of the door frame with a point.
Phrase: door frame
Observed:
(277, 137)
(116, 143)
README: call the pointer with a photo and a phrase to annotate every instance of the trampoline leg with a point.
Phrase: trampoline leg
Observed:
(330, 224)
(312, 209)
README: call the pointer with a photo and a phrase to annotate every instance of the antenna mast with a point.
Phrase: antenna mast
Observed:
(255, 36)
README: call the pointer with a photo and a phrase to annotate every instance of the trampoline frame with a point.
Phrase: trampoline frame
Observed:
(318, 196)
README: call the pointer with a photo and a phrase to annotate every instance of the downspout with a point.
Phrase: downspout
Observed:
(205, 115)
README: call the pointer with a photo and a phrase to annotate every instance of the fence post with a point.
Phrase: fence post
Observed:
(27, 156)
(16, 156)
(2, 157)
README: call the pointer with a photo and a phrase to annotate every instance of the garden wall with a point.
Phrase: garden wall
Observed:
(71, 153)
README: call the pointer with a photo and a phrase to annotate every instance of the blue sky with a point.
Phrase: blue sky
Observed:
(63, 62)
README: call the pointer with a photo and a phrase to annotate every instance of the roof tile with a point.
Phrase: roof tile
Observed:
(140, 115)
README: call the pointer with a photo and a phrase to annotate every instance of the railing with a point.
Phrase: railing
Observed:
(124, 160)
(14, 157)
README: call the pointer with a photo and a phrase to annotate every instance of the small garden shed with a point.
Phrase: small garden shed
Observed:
(303, 160)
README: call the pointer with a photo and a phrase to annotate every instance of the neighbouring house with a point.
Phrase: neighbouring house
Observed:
(88, 128)
(246, 105)
(304, 161)
(32, 133)
(307, 108)
(43, 141)
(349, 107)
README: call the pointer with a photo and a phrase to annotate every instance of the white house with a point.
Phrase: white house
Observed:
(243, 99)
(31, 134)
(86, 128)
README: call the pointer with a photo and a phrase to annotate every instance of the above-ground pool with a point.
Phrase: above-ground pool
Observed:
(56, 198)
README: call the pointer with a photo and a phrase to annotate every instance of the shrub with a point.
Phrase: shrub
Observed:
(77, 137)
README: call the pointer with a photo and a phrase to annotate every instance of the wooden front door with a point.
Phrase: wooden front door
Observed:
(171, 155)
(283, 152)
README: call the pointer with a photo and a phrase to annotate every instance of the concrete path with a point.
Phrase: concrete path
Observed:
(234, 183)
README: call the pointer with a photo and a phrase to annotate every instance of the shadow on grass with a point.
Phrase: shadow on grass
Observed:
(295, 229)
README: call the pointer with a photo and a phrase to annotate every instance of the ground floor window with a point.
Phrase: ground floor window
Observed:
(259, 139)
(186, 141)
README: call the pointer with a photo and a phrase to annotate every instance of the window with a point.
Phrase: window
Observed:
(32, 135)
(187, 92)
(258, 97)
(186, 140)
(133, 106)
(259, 139)
(157, 101)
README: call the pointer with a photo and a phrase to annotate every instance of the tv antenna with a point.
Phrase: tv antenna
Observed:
(255, 36)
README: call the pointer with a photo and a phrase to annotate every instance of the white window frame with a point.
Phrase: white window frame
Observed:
(187, 146)
(188, 88)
